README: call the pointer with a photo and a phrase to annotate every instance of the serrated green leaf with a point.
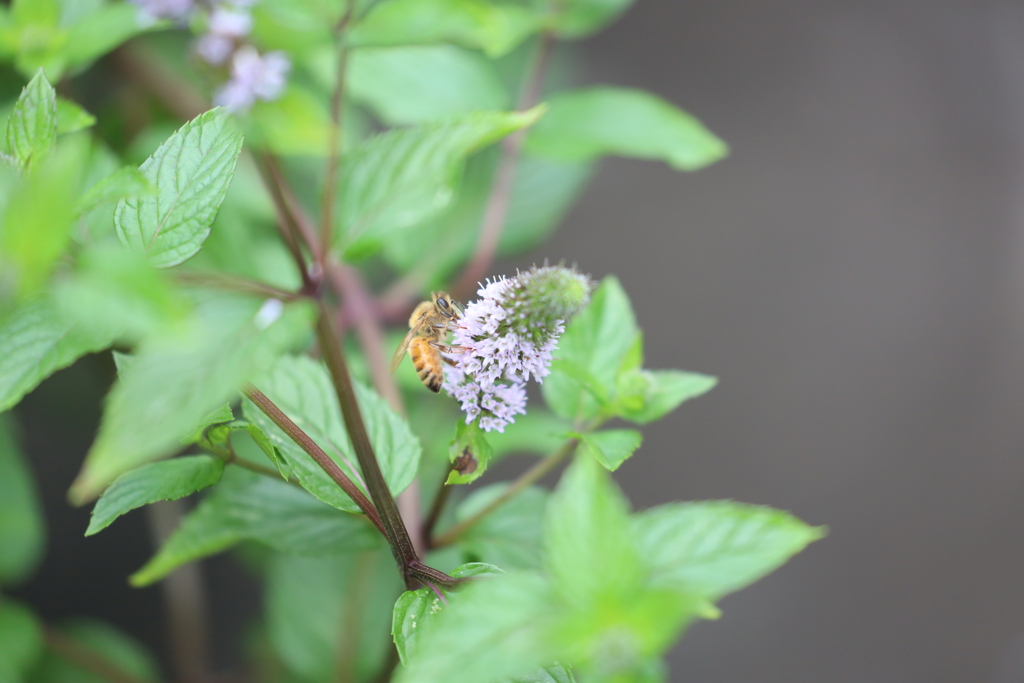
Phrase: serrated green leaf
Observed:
(168, 480)
(595, 343)
(22, 530)
(176, 379)
(124, 182)
(32, 128)
(469, 453)
(590, 552)
(249, 506)
(315, 604)
(612, 446)
(417, 610)
(714, 548)
(510, 536)
(586, 124)
(21, 637)
(71, 118)
(302, 389)
(101, 640)
(397, 179)
(649, 395)
(406, 85)
(37, 341)
(492, 629)
(495, 28)
(190, 172)
(580, 18)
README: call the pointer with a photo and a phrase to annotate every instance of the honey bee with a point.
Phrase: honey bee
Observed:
(429, 324)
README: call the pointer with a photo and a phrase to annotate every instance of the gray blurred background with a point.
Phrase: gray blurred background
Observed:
(853, 273)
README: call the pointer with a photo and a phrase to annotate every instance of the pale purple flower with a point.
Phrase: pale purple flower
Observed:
(214, 49)
(253, 77)
(506, 337)
(226, 26)
(151, 11)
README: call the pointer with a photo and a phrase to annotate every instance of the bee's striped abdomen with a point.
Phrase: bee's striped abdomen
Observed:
(427, 362)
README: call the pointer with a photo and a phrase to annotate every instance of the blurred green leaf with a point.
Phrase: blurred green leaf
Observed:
(416, 610)
(538, 433)
(549, 674)
(590, 552)
(22, 530)
(27, 12)
(594, 345)
(328, 617)
(176, 379)
(250, 506)
(469, 453)
(38, 341)
(496, 28)
(191, 172)
(649, 395)
(510, 536)
(124, 182)
(399, 178)
(297, 123)
(495, 628)
(99, 32)
(217, 416)
(114, 291)
(21, 638)
(167, 480)
(71, 118)
(32, 128)
(406, 85)
(580, 18)
(302, 389)
(40, 214)
(542, 195)
(586, 124)
(102, 641)
(716, 547)
(612, 446)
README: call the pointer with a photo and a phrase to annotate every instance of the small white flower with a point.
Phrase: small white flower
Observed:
(214, 49)
(253, 77)
(151, 11)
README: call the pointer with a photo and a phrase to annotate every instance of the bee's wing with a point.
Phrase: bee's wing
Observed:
(403, 347)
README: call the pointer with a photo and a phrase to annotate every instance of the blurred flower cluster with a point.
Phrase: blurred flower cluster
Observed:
(252, 76)
(506, 336)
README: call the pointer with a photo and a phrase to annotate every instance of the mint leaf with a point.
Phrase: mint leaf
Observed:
(588, 537)
(176, 379)
(313, 604)
(495, 28)
(99, 32)
(249, 506)
(99, 639)
(301, 387)
(594, 346)
(190, 172)
(32, 128)
(71, 118)
(649, 395)
(399, 178)
(612, 446)
(543, 192)
(405, 85)
(469, 452)
(579, 18)
(586, 124)
(714, 548)
(22, 530)
(168, 480)
(217, 416)
(21, 638)
(538, 432)
(37, 342)
(510, 536)
(415, 611)
(549, 674)
(493, 628)
(124, 182)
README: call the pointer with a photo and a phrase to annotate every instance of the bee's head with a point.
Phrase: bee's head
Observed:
(446, 306)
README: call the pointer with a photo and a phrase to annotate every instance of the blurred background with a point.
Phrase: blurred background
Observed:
(854, 275)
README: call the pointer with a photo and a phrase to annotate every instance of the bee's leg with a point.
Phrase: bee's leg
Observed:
(445, 348)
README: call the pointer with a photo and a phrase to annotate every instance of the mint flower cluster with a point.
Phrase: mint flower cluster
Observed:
(253, 76)
(506, 337)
